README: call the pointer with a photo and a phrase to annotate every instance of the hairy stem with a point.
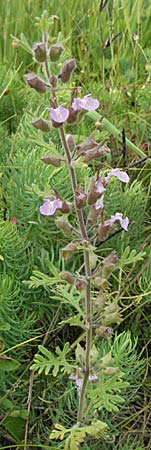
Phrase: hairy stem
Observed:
(84, 235)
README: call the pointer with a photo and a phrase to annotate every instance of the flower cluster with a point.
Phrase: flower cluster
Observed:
(89, 208)
(76, 110)
(94, 198)
(50, 206)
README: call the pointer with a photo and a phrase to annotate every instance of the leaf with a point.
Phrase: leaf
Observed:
(8, 364)
(76, 434)
(40, 279)
(130, 257)
(15, 426)
(106, 393)
(80, 354)
(75, 321)
(23, 413)
(105, 360)
(49, 361)
(97, 428)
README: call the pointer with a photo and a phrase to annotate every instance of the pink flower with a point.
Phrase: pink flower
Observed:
(59, 115)
(49, 207)
(87, 103)
(99, 187)
(99, 204)
(118, 216)
(122, 176)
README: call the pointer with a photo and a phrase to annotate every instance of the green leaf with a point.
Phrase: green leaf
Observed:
(76, 434)
(106, 394)
(8, 364)
(40, 279)
(75, 321)
(49, 361)
(15, 426)
(130, 257)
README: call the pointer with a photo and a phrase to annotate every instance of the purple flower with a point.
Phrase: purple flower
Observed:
(122, 176)
(87, 103)
(49, 207)
(118, 216)
(79, 384)
(99, 203)
(99, 187)
(59, 115)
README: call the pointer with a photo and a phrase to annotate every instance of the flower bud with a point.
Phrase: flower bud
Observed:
(95, 211)
(80, 284)
(80, 198)
(55, 51)
(74, 116)
(41, 124)
(112, 318)
(96, 190)
(66, 207)
(64, 225)
(110, 371)
(95, 152)
(100, 300)
(70, 142)
(92, 376)
(67, 68)
(105, 360)
(67, 276)
(74, 374)
(93, 260)
(39, 51)
(99, 282)
(103, 230)
(109, 264)
(103, 331)
(88, 144)
(93, 215)
(111, 308)
(70, 249)
(35, 82)
(49, 159)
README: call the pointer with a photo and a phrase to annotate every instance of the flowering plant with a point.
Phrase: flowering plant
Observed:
(96, 316)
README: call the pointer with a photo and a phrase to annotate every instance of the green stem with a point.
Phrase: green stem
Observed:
(107, 125)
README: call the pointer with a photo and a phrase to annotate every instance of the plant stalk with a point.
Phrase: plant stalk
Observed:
(84, 235)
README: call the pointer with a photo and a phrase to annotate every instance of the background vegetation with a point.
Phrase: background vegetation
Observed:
(112, 46)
